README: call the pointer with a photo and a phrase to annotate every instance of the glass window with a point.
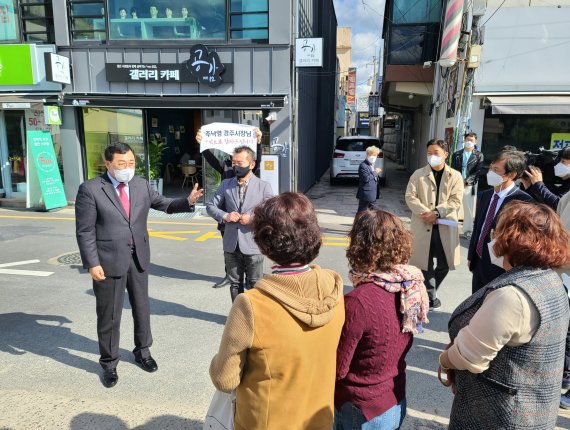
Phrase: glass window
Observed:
(37, 21)
(87, 20)
(9, 28)
(355, 144)
(176, 19)
(249, 20)
(406, 43)
(416, 11)
(102, 127)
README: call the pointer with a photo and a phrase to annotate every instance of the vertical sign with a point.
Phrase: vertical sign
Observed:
(40, 148)
(351, 98)
(269, 171)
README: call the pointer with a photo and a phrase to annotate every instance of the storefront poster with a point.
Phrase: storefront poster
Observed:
(559, 140)
(226, 137)
(44, 170)
(269, 171)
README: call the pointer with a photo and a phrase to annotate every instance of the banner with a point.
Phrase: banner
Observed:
(559, 140)
(351, 98)
(44, 169)
(226, 137)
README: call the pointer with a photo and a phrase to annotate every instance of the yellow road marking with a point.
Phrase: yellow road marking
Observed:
(73, 219)
(209, 235)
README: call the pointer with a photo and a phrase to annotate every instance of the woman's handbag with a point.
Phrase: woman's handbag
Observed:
(221, 412)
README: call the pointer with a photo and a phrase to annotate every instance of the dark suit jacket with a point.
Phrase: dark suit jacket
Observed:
(367, 182)
(104, 233)
(474, 165)
(490, 269)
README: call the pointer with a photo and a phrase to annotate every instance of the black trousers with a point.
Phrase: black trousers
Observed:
(365, 204)
(435, 275)
(110, 295)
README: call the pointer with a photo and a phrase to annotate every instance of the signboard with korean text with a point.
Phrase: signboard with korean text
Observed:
(57, 68)
(18, 65)
(363, 120)
(44, 170)
(559, 140)
(155, 72)
(351, 97)
(226, 137)
(269, 171)
(309, 52)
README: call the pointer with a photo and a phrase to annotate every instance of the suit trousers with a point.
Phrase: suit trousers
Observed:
(436, 273)
(365, 204)
(110, 295)
(469, 207)
(239, 264)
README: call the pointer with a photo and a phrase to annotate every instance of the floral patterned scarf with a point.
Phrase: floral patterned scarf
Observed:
(409, 282)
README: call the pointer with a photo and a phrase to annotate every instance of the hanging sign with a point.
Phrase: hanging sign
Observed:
(309, 52)
(226, 137)
(40, 149)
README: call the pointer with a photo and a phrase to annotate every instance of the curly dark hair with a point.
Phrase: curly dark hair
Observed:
(531, 234)
(378, 241)
(286, 230)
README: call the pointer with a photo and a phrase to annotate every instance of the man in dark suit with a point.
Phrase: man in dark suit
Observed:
(505, 169)
(468, 161)
(111, 226)
(368, 180)
(233, 204)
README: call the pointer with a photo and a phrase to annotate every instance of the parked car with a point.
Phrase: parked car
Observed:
(349, 152)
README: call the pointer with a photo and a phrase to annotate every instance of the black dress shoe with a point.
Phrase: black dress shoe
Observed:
(436, 303)
(223, 283)
(110, 378)
(147, 364)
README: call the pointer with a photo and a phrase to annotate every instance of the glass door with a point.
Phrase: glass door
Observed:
(16, 144)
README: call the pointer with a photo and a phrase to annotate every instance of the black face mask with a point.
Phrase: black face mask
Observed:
(241, 172)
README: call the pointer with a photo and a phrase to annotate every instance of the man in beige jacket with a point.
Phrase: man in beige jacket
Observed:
(434, 195)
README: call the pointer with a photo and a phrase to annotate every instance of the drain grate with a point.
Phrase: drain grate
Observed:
(70, 259)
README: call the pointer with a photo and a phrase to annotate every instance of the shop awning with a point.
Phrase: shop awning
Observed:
(25, 101)
(184, 102)
(530, 105)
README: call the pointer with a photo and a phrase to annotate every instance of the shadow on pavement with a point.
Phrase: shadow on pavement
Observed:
(185, 275)
(91, 421)
(162, 307)
(46, 335)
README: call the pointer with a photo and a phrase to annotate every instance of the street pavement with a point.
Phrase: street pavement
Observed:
(49, 373)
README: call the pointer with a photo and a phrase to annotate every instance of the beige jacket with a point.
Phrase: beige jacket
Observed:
(420, 198)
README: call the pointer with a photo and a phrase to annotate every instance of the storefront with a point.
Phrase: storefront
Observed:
(26, 89)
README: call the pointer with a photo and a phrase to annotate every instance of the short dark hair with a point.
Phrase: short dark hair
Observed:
(515, 162)
(378, 241)
(441, 143)
(122, 8)
(247, 149)
(116, 148)
(470, 134)
(286, 229)
(565, 153)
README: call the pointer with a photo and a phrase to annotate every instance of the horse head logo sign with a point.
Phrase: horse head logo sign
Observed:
(205, 66)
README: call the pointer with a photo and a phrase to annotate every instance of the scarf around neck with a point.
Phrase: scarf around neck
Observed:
(409, 282)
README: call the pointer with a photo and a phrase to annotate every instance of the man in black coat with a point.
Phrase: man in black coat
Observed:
(468, 161)
(505, 169)
(368, 180)
(111, 214)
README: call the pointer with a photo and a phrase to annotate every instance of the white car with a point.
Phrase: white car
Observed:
(349, 152)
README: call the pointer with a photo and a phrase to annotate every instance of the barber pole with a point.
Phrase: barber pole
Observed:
(451, 33)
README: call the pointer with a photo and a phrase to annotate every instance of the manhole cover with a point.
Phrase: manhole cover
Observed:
(68, 259)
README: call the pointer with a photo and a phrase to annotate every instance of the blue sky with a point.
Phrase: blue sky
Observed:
(365, 17)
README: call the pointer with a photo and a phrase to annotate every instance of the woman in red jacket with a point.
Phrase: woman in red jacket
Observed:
(387, 306)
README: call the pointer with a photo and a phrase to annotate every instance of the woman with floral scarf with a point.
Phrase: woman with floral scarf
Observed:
(388, 305)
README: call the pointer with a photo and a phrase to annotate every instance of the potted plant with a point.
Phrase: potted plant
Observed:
(155, 149)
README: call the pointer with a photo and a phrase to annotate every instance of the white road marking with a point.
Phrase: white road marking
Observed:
(22, 272)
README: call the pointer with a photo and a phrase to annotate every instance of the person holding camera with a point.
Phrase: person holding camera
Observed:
(533, 182)
(469, 162)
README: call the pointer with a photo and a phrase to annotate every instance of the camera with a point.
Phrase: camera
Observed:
(545, 160)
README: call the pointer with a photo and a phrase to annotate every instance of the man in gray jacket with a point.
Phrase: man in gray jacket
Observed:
(233, 204)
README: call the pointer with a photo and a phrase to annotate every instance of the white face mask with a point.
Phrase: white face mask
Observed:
(124, 175)
(371, 159)
(468, 144)
(497, 261)
(494, 179)
(561, 170)
(434, 160)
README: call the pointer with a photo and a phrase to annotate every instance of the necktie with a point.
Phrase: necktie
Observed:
(487, 225)
(124, 198)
